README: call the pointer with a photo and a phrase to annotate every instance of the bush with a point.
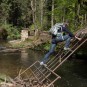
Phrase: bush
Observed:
(3, 34)
(13, 32)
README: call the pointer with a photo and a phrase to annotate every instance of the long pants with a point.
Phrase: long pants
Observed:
(66, 38)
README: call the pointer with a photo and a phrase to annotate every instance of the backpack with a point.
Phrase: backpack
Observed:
(57, 27)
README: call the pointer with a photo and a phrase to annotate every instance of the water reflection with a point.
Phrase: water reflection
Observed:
(73, 73)
(11, 63)
(24, 57)
(29, 56)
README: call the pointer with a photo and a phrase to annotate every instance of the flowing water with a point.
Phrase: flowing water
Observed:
(73, 72)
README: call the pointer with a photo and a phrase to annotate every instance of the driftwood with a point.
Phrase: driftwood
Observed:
(10, 50)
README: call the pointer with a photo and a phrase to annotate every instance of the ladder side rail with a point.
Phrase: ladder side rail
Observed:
(70, 54)
(67, 52)
(55, 59)
(61, 55)
(58, 55)
(73, 47)
(67, 57)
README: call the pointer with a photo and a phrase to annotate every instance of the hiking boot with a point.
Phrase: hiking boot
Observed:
(42, 63)
(66, 48)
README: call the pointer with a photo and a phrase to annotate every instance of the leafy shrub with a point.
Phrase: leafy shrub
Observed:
(13, 32)
(3, 34)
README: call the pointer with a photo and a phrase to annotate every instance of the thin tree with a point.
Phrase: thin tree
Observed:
(52, 16)
(41, 12)
(33, 10)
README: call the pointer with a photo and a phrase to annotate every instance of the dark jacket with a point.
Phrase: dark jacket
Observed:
(64, 29)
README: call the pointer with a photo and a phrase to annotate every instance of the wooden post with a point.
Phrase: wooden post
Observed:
(24, 35)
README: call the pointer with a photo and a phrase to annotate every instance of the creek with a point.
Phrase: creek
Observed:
(73, 71)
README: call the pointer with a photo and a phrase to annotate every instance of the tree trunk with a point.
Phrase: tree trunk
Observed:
(41, 13)
(32, 6)
(82, 21)
(78, 9)
(85, 18)
(52, 16)
(63, 14)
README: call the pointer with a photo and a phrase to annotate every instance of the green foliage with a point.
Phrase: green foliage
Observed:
(47, 46)
(35, 26)
(19, 13)
(3, 34)
(32, 27)
(13, 32)
(4, 11)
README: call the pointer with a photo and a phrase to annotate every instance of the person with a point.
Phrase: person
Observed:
(55, 39)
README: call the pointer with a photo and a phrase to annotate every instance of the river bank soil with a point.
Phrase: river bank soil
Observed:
(31, 41)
